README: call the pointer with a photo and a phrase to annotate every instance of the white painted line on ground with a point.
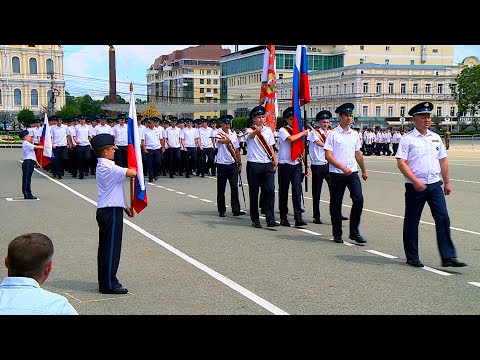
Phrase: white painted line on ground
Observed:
(19, 199)
(231, 284)
(309, 232)
(440, 272)
(169, 189)
(206, 200)
(193, 196)
(181, 193)
(381, 254)
(474, 283)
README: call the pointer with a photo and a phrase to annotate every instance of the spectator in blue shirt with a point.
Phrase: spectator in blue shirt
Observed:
(29, 262)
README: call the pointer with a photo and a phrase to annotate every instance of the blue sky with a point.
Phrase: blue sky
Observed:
(86, 66)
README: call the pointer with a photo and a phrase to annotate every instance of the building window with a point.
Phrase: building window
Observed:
(365, 88)
(202, 90)
(16, 65)
(387, 61)
(202, 72)
(344, 88)
(434, 51)
(202, 100)
(17, 97)
(361, 60)
(415, 88)
(402, 111)
(390, 111)
(453, 87)
(49, 66)
(403, 88)
(379, 88)
(323, 90)
(215, 81)
(440, 88)
(337, 89)
(439, 111)
(412, 49)
(209, 81)
(280, 76)
(427, 88)
(353, 88)
(452, 111)
(202, 81)
(215, 91)
(412, 62)
(209, 72)
(33, 66)
(0, 97)
(390, 88)
(329, 89)
(362, 47)
(34, 98)
(365, 110)
(378, 110)
(387, 48)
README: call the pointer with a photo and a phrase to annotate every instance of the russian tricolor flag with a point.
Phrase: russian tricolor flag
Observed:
(44, 155)
(134, 159)
(300, 97)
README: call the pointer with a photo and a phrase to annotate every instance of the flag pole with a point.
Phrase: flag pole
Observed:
(305, 160)
(131, 179)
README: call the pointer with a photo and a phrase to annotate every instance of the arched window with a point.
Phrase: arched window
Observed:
(49, 66)
(34, 97)
(16, 65)
(49, 98)
(17, 97)
(33, 66)
(0, 97)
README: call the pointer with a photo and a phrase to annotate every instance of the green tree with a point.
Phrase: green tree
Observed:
(139, 101)
(68, 111)
(25, 116)
(70, 100)
(467, 91)
(120, 100)
(89, 107)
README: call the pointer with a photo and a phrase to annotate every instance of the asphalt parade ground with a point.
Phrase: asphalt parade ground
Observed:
(180, 258)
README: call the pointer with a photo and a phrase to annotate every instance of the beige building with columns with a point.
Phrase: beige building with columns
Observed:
(31, 76)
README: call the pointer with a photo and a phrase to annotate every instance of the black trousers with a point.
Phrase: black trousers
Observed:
(290, 174)
(261, 176)
(338, 184)
(190, 159)
(83, 157)
(414, 204)
(227, 173)
(205, 163)
(319, 174)
(154, 162)
(61, 157)
(110, 232)
(27, 171)
(121, 156)
(173, 160)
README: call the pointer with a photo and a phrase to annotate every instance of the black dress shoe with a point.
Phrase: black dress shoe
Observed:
(119, 290)
(150, 179)
(317, 221)
(300, 223)
(344, 218)
(272, 224)
(221, 214)
(30, 197)
(452, 262)
(358, 238)
(256, 224)
(284, 222)
(238, 213)
(415, 262)
(338, 240)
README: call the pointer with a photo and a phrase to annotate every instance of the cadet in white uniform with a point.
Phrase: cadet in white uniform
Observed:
(421, 157)
(110, 207)
(342, 151)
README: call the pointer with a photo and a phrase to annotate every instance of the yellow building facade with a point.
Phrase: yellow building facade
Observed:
(31, 76)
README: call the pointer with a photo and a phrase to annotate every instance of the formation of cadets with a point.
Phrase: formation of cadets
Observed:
(187, 147)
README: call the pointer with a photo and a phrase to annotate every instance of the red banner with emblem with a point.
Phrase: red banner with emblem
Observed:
(268, 90)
